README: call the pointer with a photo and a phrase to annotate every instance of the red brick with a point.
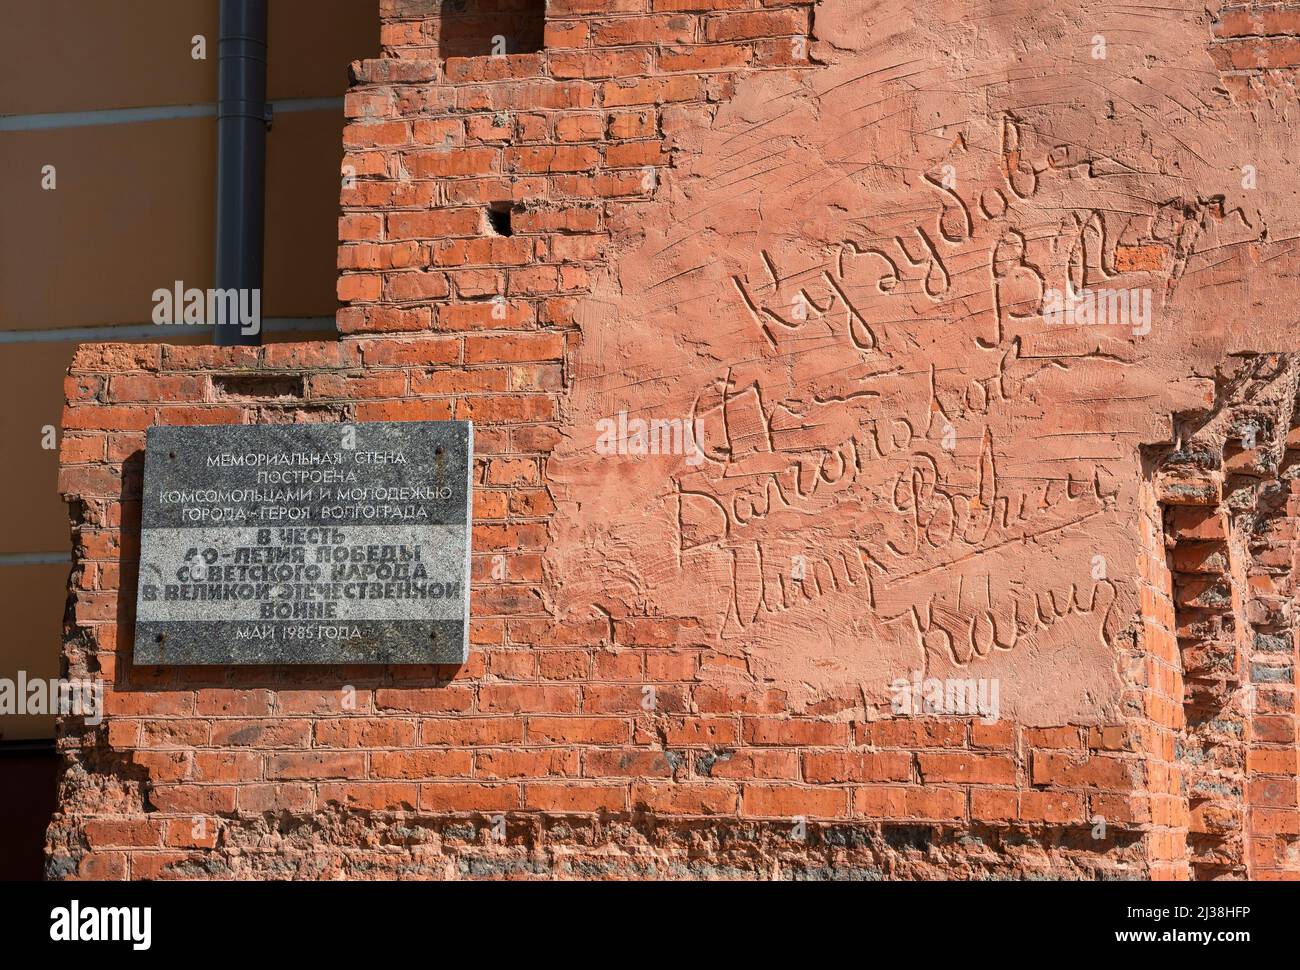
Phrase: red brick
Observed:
(791, 801)
(842, 766)
(371, 796)
(578, 730)
(537, 763)
(795, 731)
(398, 353)
(242, 703)
(316, 764)
(584, 798)
(365, 732)
(685, 799)
(743, 26)
(966, 768)
(123, 832)
(279, 797)
(1078, 771)
(430, 763)
(277, 733)
(910, 803)
(515, 698)
(472, 730)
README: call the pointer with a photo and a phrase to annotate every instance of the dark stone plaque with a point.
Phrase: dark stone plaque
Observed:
(306, 544)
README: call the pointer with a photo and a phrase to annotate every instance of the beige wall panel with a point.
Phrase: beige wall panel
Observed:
(132, 212)
(32, 517)
(33, 599)
(119, 54)
(303, 157)
(137, 53)
(310, 44)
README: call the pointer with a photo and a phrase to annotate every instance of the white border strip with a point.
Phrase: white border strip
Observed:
(152, 331)
(34, 558)
(130, 116)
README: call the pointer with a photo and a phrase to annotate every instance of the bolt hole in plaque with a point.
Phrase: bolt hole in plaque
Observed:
(306, 544)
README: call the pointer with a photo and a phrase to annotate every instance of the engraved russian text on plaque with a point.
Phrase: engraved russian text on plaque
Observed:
(305, 544)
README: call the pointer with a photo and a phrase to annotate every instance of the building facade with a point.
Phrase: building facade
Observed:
(108, 144)
(885, 460)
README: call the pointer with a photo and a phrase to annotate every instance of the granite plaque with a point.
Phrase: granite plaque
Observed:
(305, 544)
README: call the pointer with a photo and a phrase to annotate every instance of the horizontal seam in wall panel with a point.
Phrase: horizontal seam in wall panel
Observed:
(145, 331)
(18, 747)
(34, 558)
(129, 116)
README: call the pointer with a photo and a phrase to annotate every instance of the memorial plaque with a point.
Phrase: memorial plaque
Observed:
(305, 544)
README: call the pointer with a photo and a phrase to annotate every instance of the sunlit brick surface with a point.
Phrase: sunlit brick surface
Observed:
(976, 328)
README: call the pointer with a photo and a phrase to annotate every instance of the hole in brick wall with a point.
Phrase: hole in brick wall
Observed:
(499, 219)
(478, 28)
(261, 387)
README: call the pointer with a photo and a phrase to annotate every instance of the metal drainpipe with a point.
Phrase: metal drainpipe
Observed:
(243, 117)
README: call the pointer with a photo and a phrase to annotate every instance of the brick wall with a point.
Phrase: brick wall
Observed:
(291, 772)
(1228, 499)
(1257, 47)
(488, 204)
